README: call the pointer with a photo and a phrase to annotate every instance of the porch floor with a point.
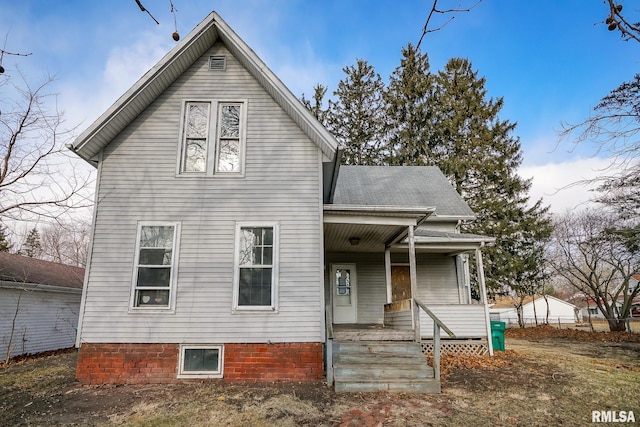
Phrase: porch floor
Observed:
(370, 332)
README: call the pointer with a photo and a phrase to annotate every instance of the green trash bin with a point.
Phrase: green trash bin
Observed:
(497, 334)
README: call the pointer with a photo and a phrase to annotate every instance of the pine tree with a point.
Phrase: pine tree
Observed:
(356, 117)
(5, 245)
(319, 91)
(480, 155)
(408, 111)
(32, 246)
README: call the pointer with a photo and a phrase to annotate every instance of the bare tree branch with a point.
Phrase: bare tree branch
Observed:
(435, 10)
(615, 20)
(37, 174)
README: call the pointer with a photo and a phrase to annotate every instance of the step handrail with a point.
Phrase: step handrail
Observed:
(437, 325)
(434, 317)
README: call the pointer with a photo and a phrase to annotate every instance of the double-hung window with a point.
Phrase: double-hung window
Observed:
(155, 266)
(213, 134)
(256, 267)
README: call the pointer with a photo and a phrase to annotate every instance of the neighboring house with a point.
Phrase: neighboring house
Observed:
(39, 305)
(592, 310)
(229, 243)
(536, 310)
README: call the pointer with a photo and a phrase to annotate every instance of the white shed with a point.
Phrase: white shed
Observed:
(39, 305)
(551, 310)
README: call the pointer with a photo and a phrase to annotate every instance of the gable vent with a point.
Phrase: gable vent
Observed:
(217, 63)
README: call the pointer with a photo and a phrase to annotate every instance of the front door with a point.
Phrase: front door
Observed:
(343, 284)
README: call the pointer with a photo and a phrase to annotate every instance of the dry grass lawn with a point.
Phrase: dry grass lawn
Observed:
(542, 380)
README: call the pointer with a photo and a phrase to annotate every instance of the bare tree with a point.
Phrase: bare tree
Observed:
(66, 242)
(595, 262)
(38, 177)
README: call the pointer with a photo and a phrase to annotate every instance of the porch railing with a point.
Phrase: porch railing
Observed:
(437, 325)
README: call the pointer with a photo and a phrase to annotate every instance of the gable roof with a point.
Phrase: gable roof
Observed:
(176, 62)
(404, 186)
(22, 269)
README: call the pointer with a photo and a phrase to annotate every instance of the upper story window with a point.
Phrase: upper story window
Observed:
(196, 136)
(155, 266)
(213, 138)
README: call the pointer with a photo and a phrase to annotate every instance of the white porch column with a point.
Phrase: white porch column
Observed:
(414, 283)
(387, 271)
(483, 298)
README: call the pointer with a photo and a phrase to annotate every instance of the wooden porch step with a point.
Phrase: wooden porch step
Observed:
(370, 366)
(372, 334)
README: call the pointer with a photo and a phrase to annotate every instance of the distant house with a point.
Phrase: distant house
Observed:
(536, 309)
(39, 305)
(229, 242)
(591, 309)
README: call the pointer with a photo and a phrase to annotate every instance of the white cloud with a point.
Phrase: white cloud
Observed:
(84, 100)
(559, 183)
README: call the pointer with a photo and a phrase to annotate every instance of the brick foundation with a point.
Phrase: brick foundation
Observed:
(158, 363)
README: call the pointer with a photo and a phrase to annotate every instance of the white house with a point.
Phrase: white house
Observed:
(228, 242)
(39, 305)
(536, 310)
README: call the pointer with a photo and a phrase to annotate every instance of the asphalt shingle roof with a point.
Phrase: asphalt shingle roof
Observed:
(22, 269)
(402, 186)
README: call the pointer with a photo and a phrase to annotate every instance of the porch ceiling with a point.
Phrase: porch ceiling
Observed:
(372, 237)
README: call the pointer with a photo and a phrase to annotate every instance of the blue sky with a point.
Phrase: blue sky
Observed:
(550, 60)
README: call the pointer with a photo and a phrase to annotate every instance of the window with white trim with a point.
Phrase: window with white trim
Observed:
(201, 361)
(256, 267)
(213, 138)
(155, 265)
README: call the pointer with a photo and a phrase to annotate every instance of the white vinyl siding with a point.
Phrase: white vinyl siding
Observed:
(280, 184)
(44, 319)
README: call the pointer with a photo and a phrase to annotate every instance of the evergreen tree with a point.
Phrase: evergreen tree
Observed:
(5, 245)
(319, 91)
(408, 111)
(480, 155)
(356, 118)
(32, 246)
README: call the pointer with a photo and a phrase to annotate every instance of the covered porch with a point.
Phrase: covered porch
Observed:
(394, 275)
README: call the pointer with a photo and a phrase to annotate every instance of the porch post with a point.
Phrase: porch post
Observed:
(414, 283)
(387, 271)
(483, 298)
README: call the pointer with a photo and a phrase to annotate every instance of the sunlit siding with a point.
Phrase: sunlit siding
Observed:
(139, 183)
(40, 320)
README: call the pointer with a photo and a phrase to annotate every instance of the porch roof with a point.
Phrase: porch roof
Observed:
(446, 242)
(349, 228)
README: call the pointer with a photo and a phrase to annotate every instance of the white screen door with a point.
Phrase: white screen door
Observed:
(345, 301)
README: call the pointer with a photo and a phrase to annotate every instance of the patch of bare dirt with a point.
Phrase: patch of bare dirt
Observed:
(539, 380)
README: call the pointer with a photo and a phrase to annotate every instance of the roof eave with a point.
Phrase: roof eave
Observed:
(170, 67)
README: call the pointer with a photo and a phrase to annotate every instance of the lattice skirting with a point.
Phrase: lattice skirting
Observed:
(467, 347)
